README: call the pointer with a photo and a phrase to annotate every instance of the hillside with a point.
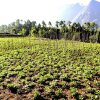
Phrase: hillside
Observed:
(69, 12)
(89, 14)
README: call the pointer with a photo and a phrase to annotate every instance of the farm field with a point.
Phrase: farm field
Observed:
(42, 69)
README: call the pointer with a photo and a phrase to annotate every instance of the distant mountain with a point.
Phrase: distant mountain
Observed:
(70, 11)
(90, 13)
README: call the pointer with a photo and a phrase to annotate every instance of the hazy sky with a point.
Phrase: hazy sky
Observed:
(38, 10)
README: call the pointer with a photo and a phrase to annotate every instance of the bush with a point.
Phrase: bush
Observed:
(76, 36)
(93, 38)
(65, 77)
(68, 36)
(63, 84)
(53, 83)
(22, 75)
(59, 93)
(48, 89)
(73, 91)
(13, 87)
(37, 95)
(43, 79)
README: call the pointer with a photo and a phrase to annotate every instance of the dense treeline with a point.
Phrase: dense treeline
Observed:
(88, 32)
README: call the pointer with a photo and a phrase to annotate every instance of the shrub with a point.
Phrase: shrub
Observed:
(75, 84)
(63, 84)
(65, 77)
(37, 95)
(59, 93)
(48, 89)
(21, 75)
(12, 74)
(13, 87)
(76, 36)
(1, 79)
(91, 90)
(53, 83)
(73, 91)
(43, 79)
(18, 68)
(93, 38)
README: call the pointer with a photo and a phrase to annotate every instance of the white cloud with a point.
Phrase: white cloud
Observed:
(38, 10)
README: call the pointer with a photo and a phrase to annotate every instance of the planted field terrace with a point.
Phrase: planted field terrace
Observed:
(43, 69)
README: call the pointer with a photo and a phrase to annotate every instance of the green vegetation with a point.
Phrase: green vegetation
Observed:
(88, 32)
(38, 68)
(37, 95)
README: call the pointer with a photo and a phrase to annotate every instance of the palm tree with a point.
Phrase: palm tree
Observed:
(43, 24)
(62, 23)
(74, 27)
(33, 23)
(79, 27)
(62, 26)
(50, 24)
(57, 24)
(69, 26)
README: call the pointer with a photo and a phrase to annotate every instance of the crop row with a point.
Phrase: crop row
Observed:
(51, 69)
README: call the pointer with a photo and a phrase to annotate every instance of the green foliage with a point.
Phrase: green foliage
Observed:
(21, 75)
(59, 93)
(37, 95)
(93, 38)
(65, 77)
(53, 68)
(63, 84)
(53, 83)
(22, 31)
(48, 89)
(87, 32)
(13, 87)
(45, 78)
(73, 91)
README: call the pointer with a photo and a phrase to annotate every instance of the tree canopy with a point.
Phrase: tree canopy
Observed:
(87, 32)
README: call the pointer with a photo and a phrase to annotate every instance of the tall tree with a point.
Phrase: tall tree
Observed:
(57, 24)
(33, 23)
(50, 24)
(43, 24)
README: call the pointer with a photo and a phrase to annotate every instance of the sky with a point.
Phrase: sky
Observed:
(37, 10)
